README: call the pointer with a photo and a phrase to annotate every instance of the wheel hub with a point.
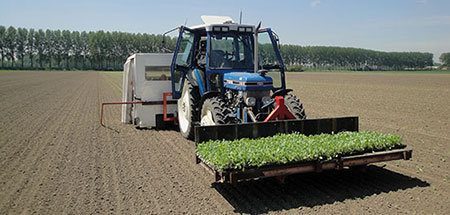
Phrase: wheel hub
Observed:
(183, 107)
(207, 119)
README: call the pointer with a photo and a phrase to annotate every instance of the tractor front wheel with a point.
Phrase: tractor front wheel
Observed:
(215, 112)
(295, 106)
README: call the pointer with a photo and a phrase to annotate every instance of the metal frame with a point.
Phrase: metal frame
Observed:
(279, 58)
(280, 111)
(177, 94)
(165, 117)
(233, 176)
(307, 127)
(164, 102)
(114, 103)
(266, 129)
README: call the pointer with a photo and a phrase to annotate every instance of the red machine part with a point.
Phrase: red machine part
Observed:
(164, 102)
(280, 112)
(165, 118)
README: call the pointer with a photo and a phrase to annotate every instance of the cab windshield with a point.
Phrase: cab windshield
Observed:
(231, 51)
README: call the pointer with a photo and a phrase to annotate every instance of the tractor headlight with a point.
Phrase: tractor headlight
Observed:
(266, 100)
(250, 101)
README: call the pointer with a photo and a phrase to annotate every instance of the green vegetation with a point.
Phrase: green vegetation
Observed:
(55, 49)
(295, 147)
(342, 58)
(445, 59)
(295, 68)
(380, 72)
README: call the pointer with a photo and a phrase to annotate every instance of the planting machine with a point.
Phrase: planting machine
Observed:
(226, 81)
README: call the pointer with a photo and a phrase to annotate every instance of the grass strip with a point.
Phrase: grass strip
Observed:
(288, 148)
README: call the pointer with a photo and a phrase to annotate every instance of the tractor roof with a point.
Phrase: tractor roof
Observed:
(209, 22)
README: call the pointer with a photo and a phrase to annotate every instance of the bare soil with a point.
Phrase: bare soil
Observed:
(55, 158)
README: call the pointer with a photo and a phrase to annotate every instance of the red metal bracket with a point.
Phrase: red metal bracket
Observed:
(280, 112)
(165, 118)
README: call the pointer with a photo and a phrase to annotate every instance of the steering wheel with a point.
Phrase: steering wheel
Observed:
(228, 56)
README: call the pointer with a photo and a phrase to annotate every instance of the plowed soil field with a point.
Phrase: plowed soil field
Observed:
(55, 158)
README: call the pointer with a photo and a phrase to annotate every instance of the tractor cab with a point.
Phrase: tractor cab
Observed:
(205, 53)
(224, 72)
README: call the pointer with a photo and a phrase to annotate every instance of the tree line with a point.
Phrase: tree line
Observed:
(445, 59)
(353, 58)
(23, 48)
(55, 49)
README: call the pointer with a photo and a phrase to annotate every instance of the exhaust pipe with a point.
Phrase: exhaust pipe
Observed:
(256, 48)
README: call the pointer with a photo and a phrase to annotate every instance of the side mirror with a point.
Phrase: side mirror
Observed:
(277, 39)
(163, 42)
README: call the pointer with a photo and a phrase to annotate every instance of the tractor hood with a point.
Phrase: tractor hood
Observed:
(247, 81)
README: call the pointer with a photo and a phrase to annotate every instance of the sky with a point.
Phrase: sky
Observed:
(384, 25)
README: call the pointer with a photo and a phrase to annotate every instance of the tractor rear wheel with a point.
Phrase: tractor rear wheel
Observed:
(295, 106)
(187, 110)
(215, 112)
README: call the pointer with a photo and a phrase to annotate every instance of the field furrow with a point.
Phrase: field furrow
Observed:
(55, 158)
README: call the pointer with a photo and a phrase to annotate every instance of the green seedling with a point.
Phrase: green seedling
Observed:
(290, 148)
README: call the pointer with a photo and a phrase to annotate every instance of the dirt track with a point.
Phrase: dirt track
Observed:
(56, 158)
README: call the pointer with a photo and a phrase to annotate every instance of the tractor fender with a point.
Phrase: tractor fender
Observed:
(207, 95)
(190, 77)
(281, 92)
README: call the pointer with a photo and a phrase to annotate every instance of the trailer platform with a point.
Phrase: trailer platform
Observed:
(233, 176)
(307, 127)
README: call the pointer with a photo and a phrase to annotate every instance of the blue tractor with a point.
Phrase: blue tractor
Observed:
(228, 73)
(228, 83)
